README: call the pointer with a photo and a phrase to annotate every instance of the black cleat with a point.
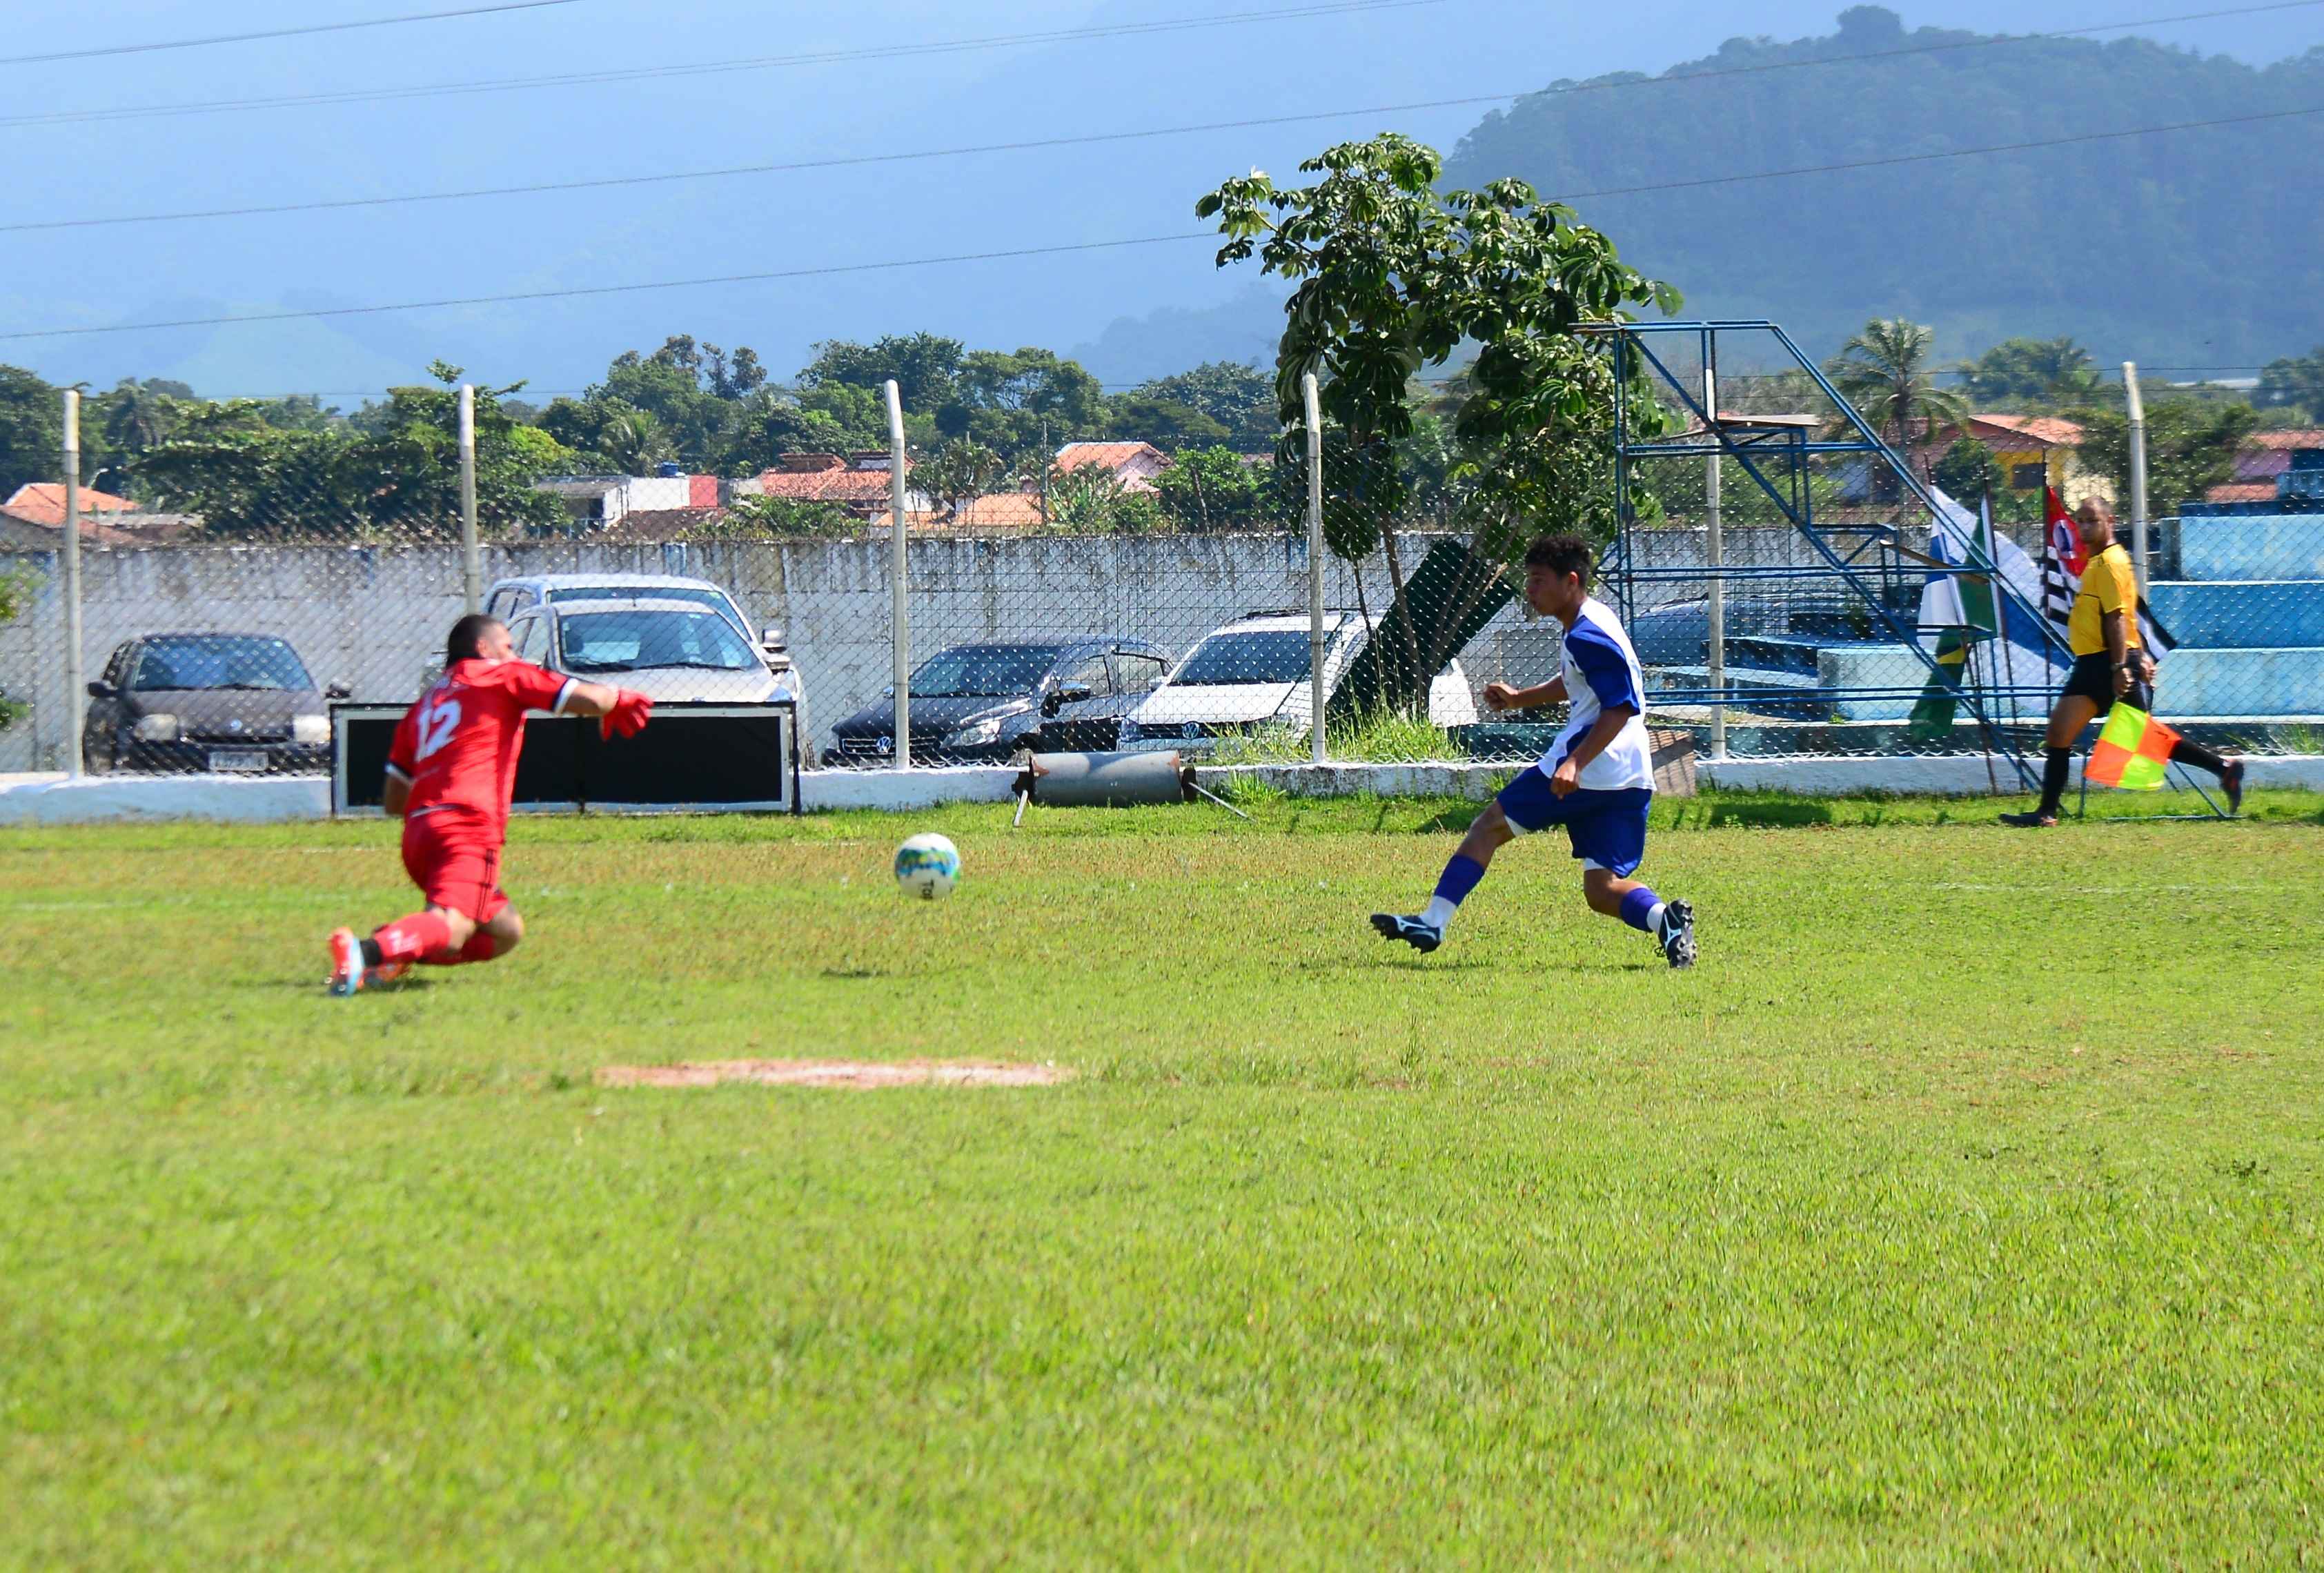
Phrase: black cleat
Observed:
(2036, 820)
(1678, 934)
(1410, 930)
(2231, 780)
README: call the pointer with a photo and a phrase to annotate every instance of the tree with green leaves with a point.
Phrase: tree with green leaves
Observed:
(2190, 448)
(1887, 372)
(1209, 489)
(31, 429)
(15, 594)
(1168, 425)
(1968, 471)
(1392, 275)
(248, 478)
(2295, 384)
(960, 470)
(924, 366)
(2030, 371)
(1091, 500)
(1018, 402)
(1240, 397)
(776, 518)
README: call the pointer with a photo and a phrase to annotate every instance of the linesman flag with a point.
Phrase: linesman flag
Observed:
(2063, 558)
(2133, 753)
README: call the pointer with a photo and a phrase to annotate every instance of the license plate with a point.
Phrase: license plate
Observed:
(238, 760)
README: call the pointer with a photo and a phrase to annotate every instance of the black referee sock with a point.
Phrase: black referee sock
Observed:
(2184, 753)
(2055, 767)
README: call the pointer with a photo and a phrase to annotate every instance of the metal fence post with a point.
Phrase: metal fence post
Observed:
(471, 564)
(899, 616)
(75, 689)
(2137, 473)
(1714, 547)
(1316, 694)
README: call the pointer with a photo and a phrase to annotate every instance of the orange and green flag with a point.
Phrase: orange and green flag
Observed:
(2132, 752)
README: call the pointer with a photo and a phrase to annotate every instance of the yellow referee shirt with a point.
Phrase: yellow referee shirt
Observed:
(2108, 586)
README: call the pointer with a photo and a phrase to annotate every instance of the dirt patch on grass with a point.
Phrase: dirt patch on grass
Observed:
(856, 1074)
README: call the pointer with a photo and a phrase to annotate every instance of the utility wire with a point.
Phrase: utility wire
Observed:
(894, 51)
(723, 67)
(856, 161)
(577, 291)
(141, 49)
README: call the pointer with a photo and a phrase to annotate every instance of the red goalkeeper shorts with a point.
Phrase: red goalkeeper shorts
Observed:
(456, 864)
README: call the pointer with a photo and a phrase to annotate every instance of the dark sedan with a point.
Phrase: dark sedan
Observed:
(181, 702)
(988, 702)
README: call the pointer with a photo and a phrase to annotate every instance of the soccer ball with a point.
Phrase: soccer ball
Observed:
(927, 865)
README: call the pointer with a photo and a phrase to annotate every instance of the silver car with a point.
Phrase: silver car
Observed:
(665, 648)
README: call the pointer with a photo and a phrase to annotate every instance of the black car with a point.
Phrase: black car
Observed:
(208, 701)
(989, 701)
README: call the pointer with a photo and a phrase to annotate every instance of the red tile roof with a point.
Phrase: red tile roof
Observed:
(2047, 430)
(2304, 438)
(1113, 455)
(826, 486)
(43, 503)
(2235, 493)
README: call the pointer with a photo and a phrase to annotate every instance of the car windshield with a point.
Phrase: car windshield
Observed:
(220, 661)
(982, 671)
(1258, 655)
(715, 600)
(625, 641)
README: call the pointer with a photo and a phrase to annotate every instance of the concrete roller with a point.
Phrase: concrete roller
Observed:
(1108, 781)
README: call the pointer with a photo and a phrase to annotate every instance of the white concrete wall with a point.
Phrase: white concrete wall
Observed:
(374, 616)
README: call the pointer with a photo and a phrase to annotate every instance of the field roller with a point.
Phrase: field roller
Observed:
(1110, 781)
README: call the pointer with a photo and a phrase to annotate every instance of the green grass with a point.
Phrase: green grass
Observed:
(1959, 1209)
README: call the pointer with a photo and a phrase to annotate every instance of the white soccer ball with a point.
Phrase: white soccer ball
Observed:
(928, 865)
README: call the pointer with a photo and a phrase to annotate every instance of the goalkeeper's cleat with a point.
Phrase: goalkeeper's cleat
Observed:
(1677, 935)
(1419, 935)
(2232, 780)
(2037, 820)
(346, 962)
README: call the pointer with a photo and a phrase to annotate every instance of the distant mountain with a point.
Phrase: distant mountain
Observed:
(2201, 247)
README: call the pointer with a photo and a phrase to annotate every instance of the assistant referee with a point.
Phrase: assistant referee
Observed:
(2110, 664)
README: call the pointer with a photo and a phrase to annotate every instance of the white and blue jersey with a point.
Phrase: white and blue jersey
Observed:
(1602, 671)
(1606, 816)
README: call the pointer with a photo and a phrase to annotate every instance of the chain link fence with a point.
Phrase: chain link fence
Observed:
(1116, 598)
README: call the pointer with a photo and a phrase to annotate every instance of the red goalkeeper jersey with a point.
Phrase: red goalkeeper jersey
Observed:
(459, 745)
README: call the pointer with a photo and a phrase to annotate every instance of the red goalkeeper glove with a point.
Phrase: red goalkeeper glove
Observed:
(631, 712)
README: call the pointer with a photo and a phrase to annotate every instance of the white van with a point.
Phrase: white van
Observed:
(1252, 674)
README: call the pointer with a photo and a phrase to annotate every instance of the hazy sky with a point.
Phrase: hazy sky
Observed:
(796, 220)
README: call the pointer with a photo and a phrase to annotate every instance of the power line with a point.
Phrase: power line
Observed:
(571, 293)
(141, 49)
(723, 67)
(1033, 144)
(577, 291)
(892, 51)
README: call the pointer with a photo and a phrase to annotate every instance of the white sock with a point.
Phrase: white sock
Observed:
(1438, 913)
(1654, 918)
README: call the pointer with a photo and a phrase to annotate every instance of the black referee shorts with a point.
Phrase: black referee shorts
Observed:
(2093, 678)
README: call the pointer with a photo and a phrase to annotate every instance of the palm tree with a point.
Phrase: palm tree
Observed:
(1886, 371)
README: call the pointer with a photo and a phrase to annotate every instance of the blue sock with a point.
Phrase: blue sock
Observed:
(1453, 887)
(1640, 908)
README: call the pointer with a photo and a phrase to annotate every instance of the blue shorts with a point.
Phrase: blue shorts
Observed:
(1607, 828)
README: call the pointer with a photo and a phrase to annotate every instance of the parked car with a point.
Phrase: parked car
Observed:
(991, 700)
(1252, 674)
(208, 701)
(663, 648)
(509, 598)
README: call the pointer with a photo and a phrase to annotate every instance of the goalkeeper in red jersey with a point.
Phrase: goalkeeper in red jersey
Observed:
(450, 772)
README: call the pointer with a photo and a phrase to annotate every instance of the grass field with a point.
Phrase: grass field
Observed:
(1959, 1209)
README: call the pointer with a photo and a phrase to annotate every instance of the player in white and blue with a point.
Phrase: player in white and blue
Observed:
(1597, 780)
